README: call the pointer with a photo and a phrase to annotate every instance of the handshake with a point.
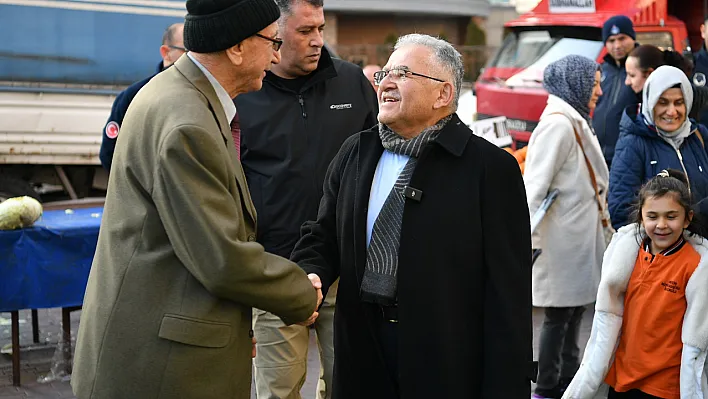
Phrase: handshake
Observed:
(317, 285)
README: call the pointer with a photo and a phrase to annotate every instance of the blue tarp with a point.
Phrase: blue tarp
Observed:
(47, 265)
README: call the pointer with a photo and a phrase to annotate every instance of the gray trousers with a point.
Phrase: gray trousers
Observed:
(559, 354)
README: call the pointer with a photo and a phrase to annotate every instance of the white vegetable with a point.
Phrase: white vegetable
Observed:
(19, 212)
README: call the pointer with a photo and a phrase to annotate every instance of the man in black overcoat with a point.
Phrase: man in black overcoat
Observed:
(427, 227)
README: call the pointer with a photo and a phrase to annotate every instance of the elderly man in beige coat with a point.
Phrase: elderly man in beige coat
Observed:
(167, 310)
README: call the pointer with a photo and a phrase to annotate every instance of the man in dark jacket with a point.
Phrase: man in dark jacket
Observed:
(172, 48)
(619, 37)
(700, 75)
(291, 129)
(427, 226)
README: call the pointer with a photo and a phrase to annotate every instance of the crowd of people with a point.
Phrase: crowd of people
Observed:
(258, 184)
(618, 142)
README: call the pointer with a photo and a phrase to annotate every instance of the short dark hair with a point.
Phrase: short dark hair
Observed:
(652, 57)
(669, 182)
(169, 36)
(287, 5)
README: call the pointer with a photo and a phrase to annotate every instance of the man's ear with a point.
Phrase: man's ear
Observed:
(446, 95)
(236, 54)
(164, 50)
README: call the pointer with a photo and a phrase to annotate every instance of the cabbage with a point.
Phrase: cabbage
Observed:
(19, 212)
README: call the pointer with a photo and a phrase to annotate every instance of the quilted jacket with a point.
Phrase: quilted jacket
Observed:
(641, 154)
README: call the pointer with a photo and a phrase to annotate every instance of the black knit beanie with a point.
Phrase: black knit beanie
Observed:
(216, 25)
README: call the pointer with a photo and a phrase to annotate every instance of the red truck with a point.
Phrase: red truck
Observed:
(511, 84)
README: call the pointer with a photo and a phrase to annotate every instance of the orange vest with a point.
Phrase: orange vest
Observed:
(648, 357)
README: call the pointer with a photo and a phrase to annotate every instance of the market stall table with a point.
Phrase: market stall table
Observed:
(47, 266)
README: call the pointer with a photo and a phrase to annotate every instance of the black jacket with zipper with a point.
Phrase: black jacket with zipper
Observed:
(616, 96)
(288, 139)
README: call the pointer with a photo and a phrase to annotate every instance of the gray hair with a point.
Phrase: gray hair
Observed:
(287, 5)
(446, 56)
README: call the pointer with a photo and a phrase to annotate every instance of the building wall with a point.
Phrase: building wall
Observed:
(381, 29)
(494, 24)
(368, 38)
(524, 6)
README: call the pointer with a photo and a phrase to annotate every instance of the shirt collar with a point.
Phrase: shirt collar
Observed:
(668, 251)
(226, 101)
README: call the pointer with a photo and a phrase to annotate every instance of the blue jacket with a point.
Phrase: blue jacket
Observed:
(616, 96)
(700, 78)
(115, 120)
(641, 154)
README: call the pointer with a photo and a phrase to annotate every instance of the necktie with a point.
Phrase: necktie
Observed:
(236, 133)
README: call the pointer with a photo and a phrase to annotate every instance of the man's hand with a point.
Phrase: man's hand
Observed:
(317, 285)
(310, 320)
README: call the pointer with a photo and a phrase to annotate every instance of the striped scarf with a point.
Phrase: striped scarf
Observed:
(379, 282)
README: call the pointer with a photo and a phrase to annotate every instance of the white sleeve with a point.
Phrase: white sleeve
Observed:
(693, 362)
(599, 354)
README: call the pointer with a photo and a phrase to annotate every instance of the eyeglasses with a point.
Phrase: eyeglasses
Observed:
(177, 48)
(277, 42)
(396, 74)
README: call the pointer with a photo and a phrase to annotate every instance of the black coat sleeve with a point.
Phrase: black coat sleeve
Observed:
(508, 330)
(108, 144)
(700, 101)
(317, 251)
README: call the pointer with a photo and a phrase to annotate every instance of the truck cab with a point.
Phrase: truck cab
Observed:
(511, 84)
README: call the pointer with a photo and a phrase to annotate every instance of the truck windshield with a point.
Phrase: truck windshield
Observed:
(525, 54)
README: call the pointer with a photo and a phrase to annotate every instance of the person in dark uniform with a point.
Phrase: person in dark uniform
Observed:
(700, 72)
(172, 48)
(619, 38)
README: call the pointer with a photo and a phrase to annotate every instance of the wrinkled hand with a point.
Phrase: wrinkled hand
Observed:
(317, 285)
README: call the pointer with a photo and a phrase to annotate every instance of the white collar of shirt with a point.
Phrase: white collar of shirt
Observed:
(226, 101)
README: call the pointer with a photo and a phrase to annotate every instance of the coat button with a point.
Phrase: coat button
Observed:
(251, 238)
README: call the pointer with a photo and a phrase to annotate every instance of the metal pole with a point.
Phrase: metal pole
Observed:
(15, 332)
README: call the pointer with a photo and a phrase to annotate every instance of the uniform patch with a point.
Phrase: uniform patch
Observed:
(112, 129)
(340, 106)
(615, 30)
(699, 79)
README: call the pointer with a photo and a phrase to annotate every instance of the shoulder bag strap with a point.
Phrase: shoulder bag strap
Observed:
(700, 137)
(600, 208)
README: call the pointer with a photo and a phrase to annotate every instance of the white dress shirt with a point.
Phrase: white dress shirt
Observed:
(388, 169)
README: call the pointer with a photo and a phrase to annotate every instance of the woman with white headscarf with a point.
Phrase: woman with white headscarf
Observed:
(658, 135)
(561, 154)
